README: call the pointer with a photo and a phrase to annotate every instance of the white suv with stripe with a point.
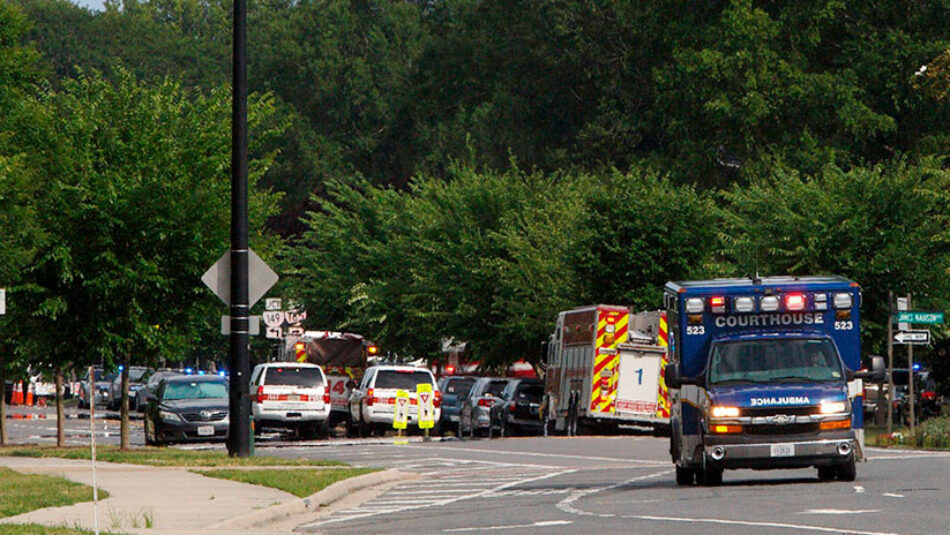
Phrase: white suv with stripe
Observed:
(373, 403)
(290, 395)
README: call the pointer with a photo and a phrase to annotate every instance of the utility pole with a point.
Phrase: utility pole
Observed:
(910, 375)
(890, 361)
(239, 400)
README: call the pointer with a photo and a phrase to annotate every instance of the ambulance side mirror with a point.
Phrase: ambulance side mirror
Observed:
(876, 373)
(674, 378)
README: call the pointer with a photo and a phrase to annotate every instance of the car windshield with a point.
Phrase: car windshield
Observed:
(459, 387)
(293, 376)
(195, 390)
(136, 374)
(495, 387)
(402, 380)
(531, 393)
(771, 360)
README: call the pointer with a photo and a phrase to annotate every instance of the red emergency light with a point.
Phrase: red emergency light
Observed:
(794, 302)
(717, 304)
(372, 350)
(611, 319)
(450, 369)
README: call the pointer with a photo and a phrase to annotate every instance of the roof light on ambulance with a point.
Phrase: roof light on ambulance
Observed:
(794, 302)
(717, 304)
(769, 303)
(842, 300)
(694, 305)
(744, 304)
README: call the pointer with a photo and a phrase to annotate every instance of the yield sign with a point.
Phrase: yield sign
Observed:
(260, 277)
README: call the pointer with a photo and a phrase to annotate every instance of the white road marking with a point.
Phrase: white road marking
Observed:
(838, 511)
(565, 504)
(892, 495)
(561, 455)
(858, 489)
(778, 525)
(516, 526)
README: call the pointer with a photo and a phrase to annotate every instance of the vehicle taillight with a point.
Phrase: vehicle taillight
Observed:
(437, 399)
(928, 395)
(260, 394)
(369, 398)
(326, 396)
(485, 402)
(512, 406)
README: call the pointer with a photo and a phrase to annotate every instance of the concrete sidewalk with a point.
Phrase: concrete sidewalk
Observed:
(176, 500)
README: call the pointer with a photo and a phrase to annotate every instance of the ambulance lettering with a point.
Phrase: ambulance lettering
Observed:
(770, 320)
(790, 400)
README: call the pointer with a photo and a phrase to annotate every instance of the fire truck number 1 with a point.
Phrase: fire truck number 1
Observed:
(844, 325)
(697, 329)
(640, 376)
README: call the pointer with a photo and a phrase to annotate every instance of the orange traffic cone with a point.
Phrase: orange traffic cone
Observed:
(29, 395)
(16, 396)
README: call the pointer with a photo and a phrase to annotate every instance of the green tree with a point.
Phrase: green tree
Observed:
(886, 227)
(136, 207)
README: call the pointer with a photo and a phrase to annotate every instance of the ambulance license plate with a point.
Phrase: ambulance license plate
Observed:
(205, 430)
(783, 450)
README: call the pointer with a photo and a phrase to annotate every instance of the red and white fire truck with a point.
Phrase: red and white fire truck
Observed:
(605, 369)
(343, 356)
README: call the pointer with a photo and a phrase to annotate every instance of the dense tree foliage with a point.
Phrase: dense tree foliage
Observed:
(466, 169)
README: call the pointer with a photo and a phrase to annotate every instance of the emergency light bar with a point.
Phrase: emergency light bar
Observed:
(694, 305)
(769, 303)
(842, 300)
(794, 302)
(743, 304)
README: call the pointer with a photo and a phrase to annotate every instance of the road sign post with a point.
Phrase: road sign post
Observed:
(426, 401)
(401, 414)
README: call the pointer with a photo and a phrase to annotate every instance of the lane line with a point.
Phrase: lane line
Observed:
(777, 525)
(561, 455)
(541, 524)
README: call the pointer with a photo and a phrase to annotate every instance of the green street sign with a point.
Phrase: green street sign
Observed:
(933, 318)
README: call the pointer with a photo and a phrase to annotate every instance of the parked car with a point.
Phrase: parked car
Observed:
(518, 410)
(372, 403)
(290, 395)
(475, 414)
(156, 377)
(138, 375)
(187, 408)
(103, 387)
(454, 390)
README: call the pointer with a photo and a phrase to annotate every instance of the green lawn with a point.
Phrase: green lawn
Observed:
(37, 529)
(299, 482)
(22, 493)
(933, 433)
(160, 457)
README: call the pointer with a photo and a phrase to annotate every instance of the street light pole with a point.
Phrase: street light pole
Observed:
(239, 400)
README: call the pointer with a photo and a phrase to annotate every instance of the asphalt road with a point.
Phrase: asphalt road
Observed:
(625, 485)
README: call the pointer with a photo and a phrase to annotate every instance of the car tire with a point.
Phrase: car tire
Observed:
(827, 473)
(685, 476)
(711, 476)
(847, 471)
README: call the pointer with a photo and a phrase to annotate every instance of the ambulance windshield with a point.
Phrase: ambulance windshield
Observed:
(774, 360)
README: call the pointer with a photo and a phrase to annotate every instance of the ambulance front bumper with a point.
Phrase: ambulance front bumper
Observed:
(777, 453)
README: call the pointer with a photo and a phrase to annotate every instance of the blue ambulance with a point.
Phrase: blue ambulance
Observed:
(764, 374)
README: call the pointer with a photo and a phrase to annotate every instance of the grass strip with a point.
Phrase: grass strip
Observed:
(39, 529)
(301, 483)
(22, 493)
(160, 456)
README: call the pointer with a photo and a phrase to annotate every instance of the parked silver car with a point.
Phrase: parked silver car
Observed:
(475, 414)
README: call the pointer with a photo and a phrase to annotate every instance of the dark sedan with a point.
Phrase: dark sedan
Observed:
(187, 408)
(519, 409)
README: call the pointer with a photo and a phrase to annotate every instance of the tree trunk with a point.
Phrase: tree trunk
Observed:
(124, 411)
(3, 409)
(60, 414)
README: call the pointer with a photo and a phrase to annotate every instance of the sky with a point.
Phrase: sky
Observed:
(91, 4)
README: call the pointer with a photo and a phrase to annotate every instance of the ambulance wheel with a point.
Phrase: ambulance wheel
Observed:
(847, 471)
(711, 476)
(685, 476)
(827, 473)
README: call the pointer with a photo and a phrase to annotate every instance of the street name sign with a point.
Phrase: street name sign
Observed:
(260, 277)
(929, 318)
(919, 337)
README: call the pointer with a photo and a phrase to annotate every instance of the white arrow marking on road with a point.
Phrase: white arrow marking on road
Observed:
(892, 495)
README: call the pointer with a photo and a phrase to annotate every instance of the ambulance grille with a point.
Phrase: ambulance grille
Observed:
(772, 411)
(790, 429)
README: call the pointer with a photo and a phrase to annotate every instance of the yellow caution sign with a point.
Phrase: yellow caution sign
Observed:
(426, 400)
(401, 414)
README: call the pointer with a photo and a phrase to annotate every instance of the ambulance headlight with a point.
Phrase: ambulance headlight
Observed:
(769, 303)
(833, 407)
(842, 300)
(719, 411)
(744, 304)
(694, 305)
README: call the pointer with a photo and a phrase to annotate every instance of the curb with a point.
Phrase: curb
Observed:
(312, 503)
